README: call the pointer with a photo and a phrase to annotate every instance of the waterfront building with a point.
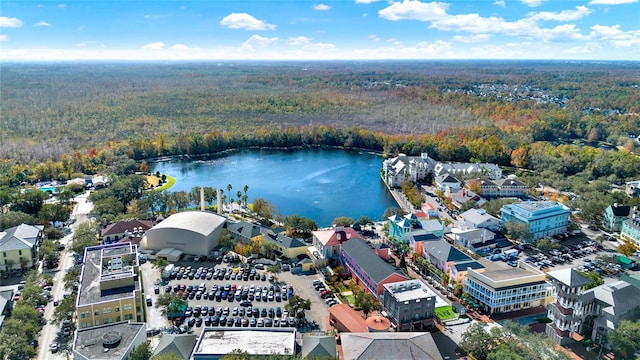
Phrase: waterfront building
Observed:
(543, 218)
(109, 289)
(402, 168)
(409, 304)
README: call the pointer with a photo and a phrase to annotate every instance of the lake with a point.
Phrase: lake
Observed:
(319, 184)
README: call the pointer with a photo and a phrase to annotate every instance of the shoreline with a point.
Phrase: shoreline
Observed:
(398, 197)
(232, 150)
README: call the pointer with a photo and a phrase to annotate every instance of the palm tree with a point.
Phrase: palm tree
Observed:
(229, 187)
(245, 197)
(239, 195)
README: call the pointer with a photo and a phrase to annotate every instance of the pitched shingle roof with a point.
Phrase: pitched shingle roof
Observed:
(245, 229)
(369, 261)
(569, 277)
(389, 346)
(19, 237)
(622, 210)
(443, 250)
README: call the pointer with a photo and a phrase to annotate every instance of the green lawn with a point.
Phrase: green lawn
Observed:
(168, 184)
(444, 313)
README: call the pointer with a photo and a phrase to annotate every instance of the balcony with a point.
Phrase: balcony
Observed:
(564, 310)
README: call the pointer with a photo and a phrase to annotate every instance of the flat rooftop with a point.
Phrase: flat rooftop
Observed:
(90, 291)
(411, 290)
(89, 342)
(222, 340)
(508, 274)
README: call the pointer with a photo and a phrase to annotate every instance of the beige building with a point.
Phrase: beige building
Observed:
(508, 289)
(110, 289)
(19, 247)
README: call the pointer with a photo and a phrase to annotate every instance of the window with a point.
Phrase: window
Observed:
(96, 313)
(127, 307)
(117, 309)
(4, 254)
(19, 252)
(106, 310)
(128, 316)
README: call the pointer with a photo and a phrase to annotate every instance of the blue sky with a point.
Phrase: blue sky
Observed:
(301, 30)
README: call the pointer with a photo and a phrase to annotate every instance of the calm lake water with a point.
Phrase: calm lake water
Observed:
(320, 184)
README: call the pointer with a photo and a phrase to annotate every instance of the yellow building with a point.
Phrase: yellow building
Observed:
(19, 247)
(110, 289)
(508, 289)
(287, 246)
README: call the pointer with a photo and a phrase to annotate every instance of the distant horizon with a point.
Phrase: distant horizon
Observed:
(307, 30)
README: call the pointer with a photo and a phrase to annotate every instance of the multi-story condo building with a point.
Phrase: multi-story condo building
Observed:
(615, 215)
(407, 168)
(508, 289)
(409, 304)
(630, 229)
(403, 228)
(19, 247)
(579, 313)
(632, 188)
(543, 218)
(110, 289)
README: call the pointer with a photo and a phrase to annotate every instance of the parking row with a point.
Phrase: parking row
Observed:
(231, 292)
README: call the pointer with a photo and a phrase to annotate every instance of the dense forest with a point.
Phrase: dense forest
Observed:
(51, 110)
(572, 126)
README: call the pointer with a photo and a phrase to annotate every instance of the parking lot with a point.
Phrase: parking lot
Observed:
(237, 295)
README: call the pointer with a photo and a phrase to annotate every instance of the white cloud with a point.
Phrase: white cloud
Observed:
(4, 37)
(42, 23)
(298, 41)
(321, 7)
(532, 3)
(500, 3)
(62, 6)
(366, 1)
(245, 21)
(374, 37)
(564, 15)
(10, 22)
(611, 2)
(414, 10)
(477, 38)
(154, 46)
(258, 41)
(618, 38)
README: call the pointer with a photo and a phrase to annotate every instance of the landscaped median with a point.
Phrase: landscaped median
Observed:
(166, 185)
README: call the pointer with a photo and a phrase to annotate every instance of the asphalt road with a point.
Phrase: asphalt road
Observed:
(49, 333)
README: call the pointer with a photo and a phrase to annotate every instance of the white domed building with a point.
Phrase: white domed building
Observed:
(191, 232)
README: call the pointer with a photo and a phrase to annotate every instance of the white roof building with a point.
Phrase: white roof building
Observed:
(192, 232)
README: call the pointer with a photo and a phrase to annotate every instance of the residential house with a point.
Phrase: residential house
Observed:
(451, 261)
(503, 290)
(389, 345)
(409, 304)
(632, 188)
(383, 251)
(542, 218)
(407, 168)
(474, 239)
(132, 229)
(110, 290)
(579, 313)
(430, 210)
(179, 344)
(418, 241)
(447, 183)
(615, 215)
(368, 269)
(463, 196)
(403, 228)
(479, 219)
(19, 246)
(328, 242)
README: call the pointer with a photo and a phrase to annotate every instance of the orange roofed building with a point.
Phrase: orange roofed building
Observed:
(344, 319)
